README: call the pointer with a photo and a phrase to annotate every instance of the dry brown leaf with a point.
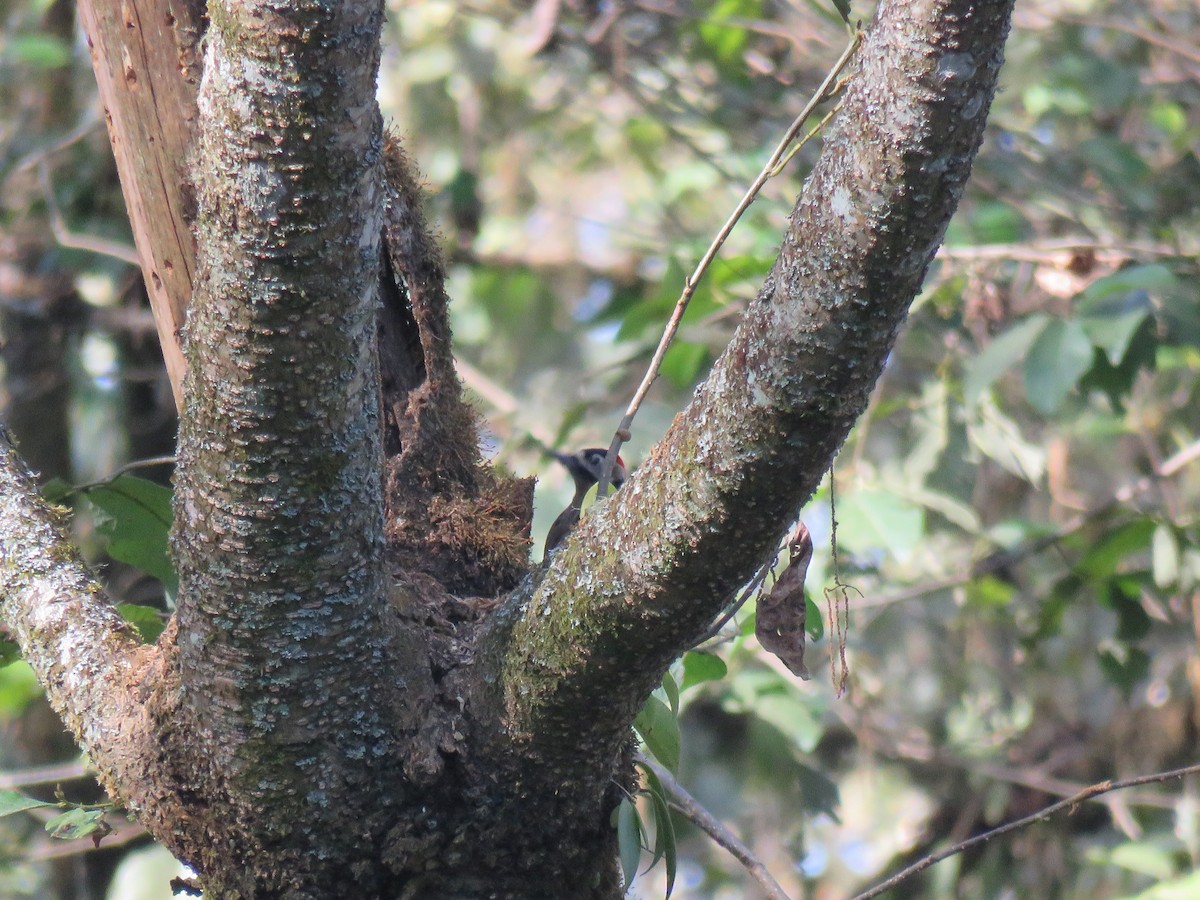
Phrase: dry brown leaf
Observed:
(779, 624)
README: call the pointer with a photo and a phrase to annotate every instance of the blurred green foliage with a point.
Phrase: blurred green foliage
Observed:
(1018, 508)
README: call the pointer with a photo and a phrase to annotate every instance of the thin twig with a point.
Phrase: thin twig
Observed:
(837, 601)
(812, 133)
(89, 123)
(748, 591)
(623, 433)
(1182, 48)
(67, 238)
(510, 419)
(147, 463)
(1071, 802)
(52, 774)
(663, 115)
(123, 833)
(691, 809)
(1056, 251)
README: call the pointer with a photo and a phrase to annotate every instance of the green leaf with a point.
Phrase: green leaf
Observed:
(629, 839)
(14, 802)
(699, 667)
(871, 519)
(1117, 163)
(1169, 117)
(664, 827)
(1105, 555)
(765, 694)
(18, 688)
(1111, 293)
(1185, 888)
(682, 363)
(1124, 596)
(727, 41)
(1058, 358)
(659, 729)
(652, 313)
(931, 427)
(1189, 570)
(571, 417)
(990, 591)
(10, 652)
(77, 823)
(1116, 382)
(1000, 356)
(589, 499)
(795, 719)
(1113, 334)
(749, 623)
(997, 222)
(655, 309)
(671, 689)
(43, 51)
(138, 525)
(814, 620)
(56, 490)
(1124, 666)
(833, 16)
(997, 437)
(820, 792)
(645, 137)
(146, 619)
(1063, 595)
(949, 508)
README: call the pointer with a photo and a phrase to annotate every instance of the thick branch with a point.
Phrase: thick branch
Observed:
(285, 651)
(579, 655)
(94, 669)
(145, 54)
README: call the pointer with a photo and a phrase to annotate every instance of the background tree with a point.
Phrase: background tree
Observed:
(459, 82)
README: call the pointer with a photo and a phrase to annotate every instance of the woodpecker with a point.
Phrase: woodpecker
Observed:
(585, 468)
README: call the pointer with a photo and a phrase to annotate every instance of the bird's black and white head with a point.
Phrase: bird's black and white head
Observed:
(587, 465)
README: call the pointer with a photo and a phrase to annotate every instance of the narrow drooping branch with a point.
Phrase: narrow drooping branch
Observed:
(94, 669)
(691, 810)
(645, 574)
(287, 658)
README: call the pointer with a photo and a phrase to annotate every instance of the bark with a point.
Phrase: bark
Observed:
(290, 662)
(569, 663)
(146, 57)
(95, 672)
(324, 718)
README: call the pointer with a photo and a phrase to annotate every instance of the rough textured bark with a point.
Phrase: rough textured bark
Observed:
(288, 659)
(571, 661)
(325, 717)
(96, 673)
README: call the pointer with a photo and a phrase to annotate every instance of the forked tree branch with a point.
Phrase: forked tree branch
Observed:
(650, 568)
